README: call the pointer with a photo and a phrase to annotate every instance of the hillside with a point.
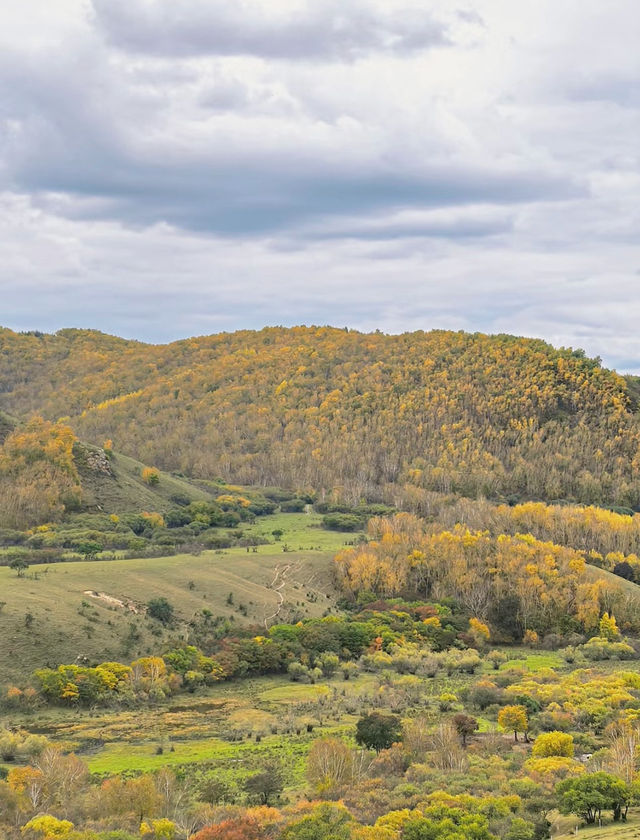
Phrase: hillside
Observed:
(334, 409)
(115, 485)
(96, 609)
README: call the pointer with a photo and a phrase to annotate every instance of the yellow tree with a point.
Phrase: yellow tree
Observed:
(514, 719)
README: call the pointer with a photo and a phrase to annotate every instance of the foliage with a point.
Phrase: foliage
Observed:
(547, 582)
(326, 408)
(590, 794)
(38, 475)
(377, 731)
(553, 743)
(161, 610)
(514, 719)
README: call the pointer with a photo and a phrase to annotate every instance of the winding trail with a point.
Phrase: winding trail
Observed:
(277, 585)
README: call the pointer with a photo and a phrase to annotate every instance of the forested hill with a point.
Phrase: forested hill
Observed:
(328, 408)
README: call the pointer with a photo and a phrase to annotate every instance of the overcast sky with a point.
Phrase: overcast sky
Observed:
(180, 167)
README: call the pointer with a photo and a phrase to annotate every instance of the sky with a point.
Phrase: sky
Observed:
(182, 167)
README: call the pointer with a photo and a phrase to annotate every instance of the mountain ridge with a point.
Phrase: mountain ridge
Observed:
(343, 411)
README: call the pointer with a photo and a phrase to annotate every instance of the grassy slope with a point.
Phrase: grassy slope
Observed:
(124, 491)
(610, 830)
(63, 629)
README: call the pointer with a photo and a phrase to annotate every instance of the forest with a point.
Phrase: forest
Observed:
(314, 584)
(338, 411)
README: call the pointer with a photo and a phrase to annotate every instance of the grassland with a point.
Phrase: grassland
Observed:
(564, 828)
(95, 609)
(229, 729)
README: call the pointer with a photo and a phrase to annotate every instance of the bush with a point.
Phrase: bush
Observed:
(599, 649)
(180, 499)
(293, 506)
(553, 743)
(341, 522)
(151, 475)
(161, 610)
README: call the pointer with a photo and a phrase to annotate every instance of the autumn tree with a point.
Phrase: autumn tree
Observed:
(608, 628)
(465, 726)
(150, 475)
(514, 719)
(553, 743)
(329, 766)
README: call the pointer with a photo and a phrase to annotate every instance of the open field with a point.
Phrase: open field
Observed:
(59, 613)
(95, 609)
(229, 729)
(302, 531)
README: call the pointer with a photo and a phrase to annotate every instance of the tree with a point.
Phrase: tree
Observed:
(89, 549)
(19, 565)
(151, 475)
(608, 628)
(161, 610)
(266, 784)
(588, 795)
(465, 726)
(553, 743)
(326, 822)
(514, 718)
(378, 731)
(329, 766)
(238, 828)
(624, 570)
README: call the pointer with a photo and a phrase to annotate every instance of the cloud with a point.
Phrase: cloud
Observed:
(331, 30)
(177, 168)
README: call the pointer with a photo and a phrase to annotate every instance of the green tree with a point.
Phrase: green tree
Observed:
(589, 795)
(89, 549)
(19, 565)
(378, 731)
(266, 784)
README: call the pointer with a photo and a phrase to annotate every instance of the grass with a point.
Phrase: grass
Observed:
(191, 732)
(564, 828)
(302, 532)
(533, 661)
(67, 623)
(126, 492)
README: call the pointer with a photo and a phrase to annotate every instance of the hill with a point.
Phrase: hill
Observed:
(45, 472)
(337, 410)
(97, 609)
(115, 484)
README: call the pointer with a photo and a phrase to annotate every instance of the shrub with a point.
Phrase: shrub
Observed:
(599, 648)
(341, 522)
(150, 475)
(161, 610)
(553, 743)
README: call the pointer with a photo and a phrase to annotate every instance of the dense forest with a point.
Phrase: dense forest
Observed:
(344, 412)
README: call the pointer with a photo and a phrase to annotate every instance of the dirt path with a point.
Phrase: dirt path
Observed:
(277, 585)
